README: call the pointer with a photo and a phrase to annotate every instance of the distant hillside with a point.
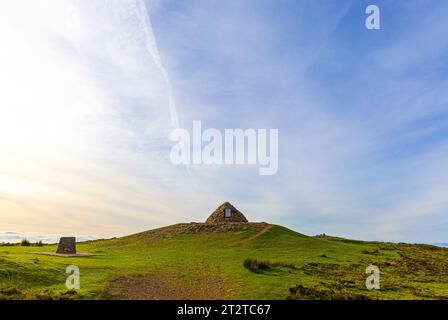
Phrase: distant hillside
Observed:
(440, 244)
(235, 261)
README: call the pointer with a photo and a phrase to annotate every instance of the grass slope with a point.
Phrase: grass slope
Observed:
(197, 261)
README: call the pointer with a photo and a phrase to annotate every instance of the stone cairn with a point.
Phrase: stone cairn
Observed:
(67, 245)
(218, 216)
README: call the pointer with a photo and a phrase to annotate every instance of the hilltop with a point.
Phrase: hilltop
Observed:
(234, 261)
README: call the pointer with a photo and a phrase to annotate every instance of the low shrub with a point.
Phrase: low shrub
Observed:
(8, 244)
(255, 265)
(25, 243)
(258, 266)
(376, 251)
(10, 293)
(54, 295)
(300, 292)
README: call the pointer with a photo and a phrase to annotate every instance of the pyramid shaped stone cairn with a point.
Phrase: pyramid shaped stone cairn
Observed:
(226, 213)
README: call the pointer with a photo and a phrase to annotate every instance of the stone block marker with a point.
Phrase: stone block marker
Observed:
(67, 245)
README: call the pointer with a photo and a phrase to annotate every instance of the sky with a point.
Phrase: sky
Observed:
(90, 91)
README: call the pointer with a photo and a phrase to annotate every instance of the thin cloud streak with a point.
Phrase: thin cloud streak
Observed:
(86, 118)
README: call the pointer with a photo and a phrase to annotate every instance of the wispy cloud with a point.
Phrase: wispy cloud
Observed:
(86, 114)
(15, 237)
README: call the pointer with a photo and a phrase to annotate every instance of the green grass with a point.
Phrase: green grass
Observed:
(203, 264)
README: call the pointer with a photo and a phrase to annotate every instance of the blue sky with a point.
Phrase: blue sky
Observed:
(361, 115)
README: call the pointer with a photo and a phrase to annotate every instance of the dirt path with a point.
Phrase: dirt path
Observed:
(166, 287)
(263, 231)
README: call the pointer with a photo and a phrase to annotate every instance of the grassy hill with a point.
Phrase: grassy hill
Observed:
(238, 261)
